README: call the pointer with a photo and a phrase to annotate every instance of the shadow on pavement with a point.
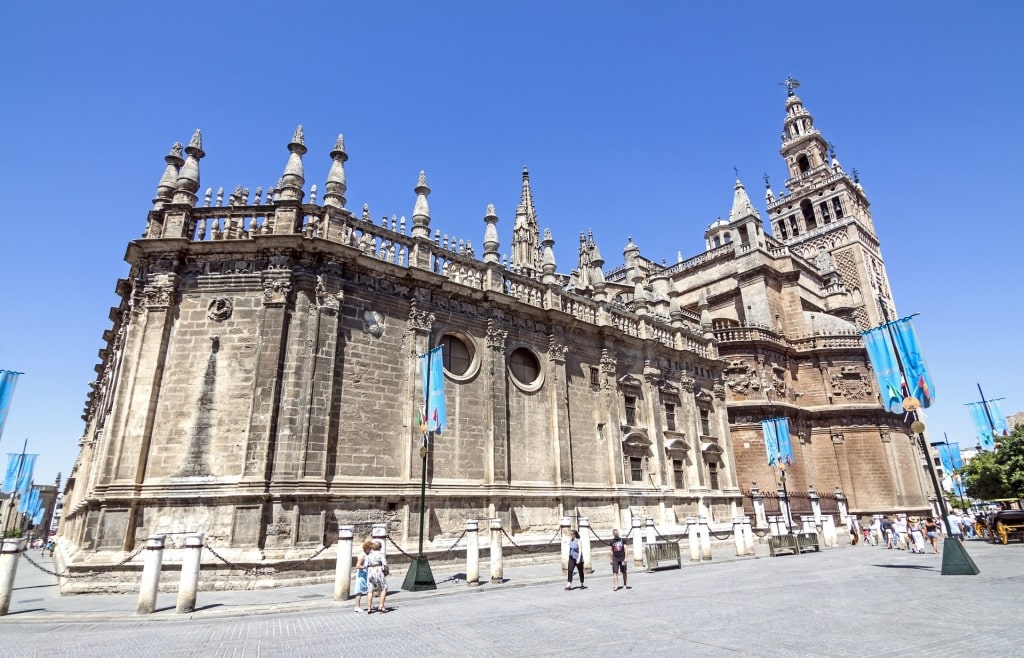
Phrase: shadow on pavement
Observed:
(904, 566)
(17, 589)
(209, 607)
(21, 612)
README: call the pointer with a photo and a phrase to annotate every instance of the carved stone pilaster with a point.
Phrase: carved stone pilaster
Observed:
(719, 389)
(159, 292)
(687, 383)
(329, 295)
(557, 350)
(496, 336)
(420, 320)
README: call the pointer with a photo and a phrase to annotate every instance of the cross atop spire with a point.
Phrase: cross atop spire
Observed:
(791, 84)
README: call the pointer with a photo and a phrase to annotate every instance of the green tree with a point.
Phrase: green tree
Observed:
(1010, 456)
(984, 477)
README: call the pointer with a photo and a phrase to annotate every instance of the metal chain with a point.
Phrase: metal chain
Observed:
(88, 574)
(759, 534)
(531, 549)
(727, 535)
(264, 571)
(452, 547)
(395, 544)
(594, 532)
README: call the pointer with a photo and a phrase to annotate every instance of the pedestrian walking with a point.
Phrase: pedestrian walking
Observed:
(931, 530)
(575, 559)
(618, 545)
(954, 526)
(362, 585)
(886, 526)
(376, 577)
(916, 534)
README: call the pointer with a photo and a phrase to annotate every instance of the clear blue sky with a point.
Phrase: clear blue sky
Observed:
(629, 116)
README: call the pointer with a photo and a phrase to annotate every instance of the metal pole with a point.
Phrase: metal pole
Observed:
(988, 414)
(423, 486)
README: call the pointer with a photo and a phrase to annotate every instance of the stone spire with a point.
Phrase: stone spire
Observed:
(165, 188)
(421, 211)
(597, 271)
(491, 236)
(526, 232)
(741, 206)
(293, 179)
(188, 176)
(334, 195)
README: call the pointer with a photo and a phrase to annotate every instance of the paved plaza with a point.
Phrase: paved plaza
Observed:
(846, 601)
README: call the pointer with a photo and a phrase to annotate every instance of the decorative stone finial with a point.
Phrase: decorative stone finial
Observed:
(548, 264)
(336, 186)
(491, 235)
(165, 188)
(421, 211)
(293, 179)
(188, 177)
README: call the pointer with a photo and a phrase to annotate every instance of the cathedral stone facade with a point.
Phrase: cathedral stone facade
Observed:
(260, 382)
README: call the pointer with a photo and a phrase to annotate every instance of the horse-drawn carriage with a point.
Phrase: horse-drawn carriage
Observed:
(1000, 526)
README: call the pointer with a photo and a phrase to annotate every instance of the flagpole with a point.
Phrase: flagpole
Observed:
(953, 476)
(419, 577)
(955, 560)
(988, 414)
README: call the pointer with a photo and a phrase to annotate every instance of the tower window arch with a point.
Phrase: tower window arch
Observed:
(807, 210)
(803, 164)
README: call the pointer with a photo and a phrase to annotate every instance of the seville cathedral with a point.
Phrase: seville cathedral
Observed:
(260, 382)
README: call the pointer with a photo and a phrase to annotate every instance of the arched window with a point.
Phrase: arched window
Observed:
(803, 164)
(807, 210)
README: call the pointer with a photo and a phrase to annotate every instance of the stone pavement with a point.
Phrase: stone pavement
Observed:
(847, 601)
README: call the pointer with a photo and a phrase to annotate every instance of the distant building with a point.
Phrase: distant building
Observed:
(260, 382)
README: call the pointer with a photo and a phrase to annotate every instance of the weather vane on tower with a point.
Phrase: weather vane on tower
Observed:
(791, 84)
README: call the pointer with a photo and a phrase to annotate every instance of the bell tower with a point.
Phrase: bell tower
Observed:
(823, 211)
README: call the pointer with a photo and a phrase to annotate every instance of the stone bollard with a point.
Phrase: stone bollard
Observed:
(808, 524)
(737, 532)
(638, 541)
(565, 531)
(760, 519)
(497, 573)
(150, 575)
(649, 531)
(472, 553)
(776, 526)
(343, 567)
(748, 536)
(815, 504)
(10, 553)
(828, 529)
(705, 539)
(691, 532)
(841, 504)
(585, 544)
(380, 533)
(188, 586)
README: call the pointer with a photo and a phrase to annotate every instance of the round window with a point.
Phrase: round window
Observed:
(524, 367)
(458, 356)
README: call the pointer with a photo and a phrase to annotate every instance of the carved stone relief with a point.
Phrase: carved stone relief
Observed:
(220, 309)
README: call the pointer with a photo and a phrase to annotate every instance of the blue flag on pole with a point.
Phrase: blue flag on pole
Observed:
(887, 370)
(777, 443)
(11, 474)
(28, 464)
(37, 518)
(945, 457)
(954, 456)
(998, 419)
(8, 379)
(982, 425)
(28, 501)
(919, 381)
(435, 415)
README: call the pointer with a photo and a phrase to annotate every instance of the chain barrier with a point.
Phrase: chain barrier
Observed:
(264, 571)
(456, 543)
(608, 543)
(531, 549)
(760, 534)
(727, 535)
(88, 574)
(395, 544)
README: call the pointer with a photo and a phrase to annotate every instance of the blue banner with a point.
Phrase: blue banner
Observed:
(945, 457)
(777, 443)
(28, 464)
(37, 518)
(887, 370)
(29, 501)
(919, 381)
(998, 419)
(954, 456)
(982, 425)
(8, 379)
(435, 415)
(11, 474)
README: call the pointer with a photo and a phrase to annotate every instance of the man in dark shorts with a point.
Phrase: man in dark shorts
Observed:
(618, 545)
